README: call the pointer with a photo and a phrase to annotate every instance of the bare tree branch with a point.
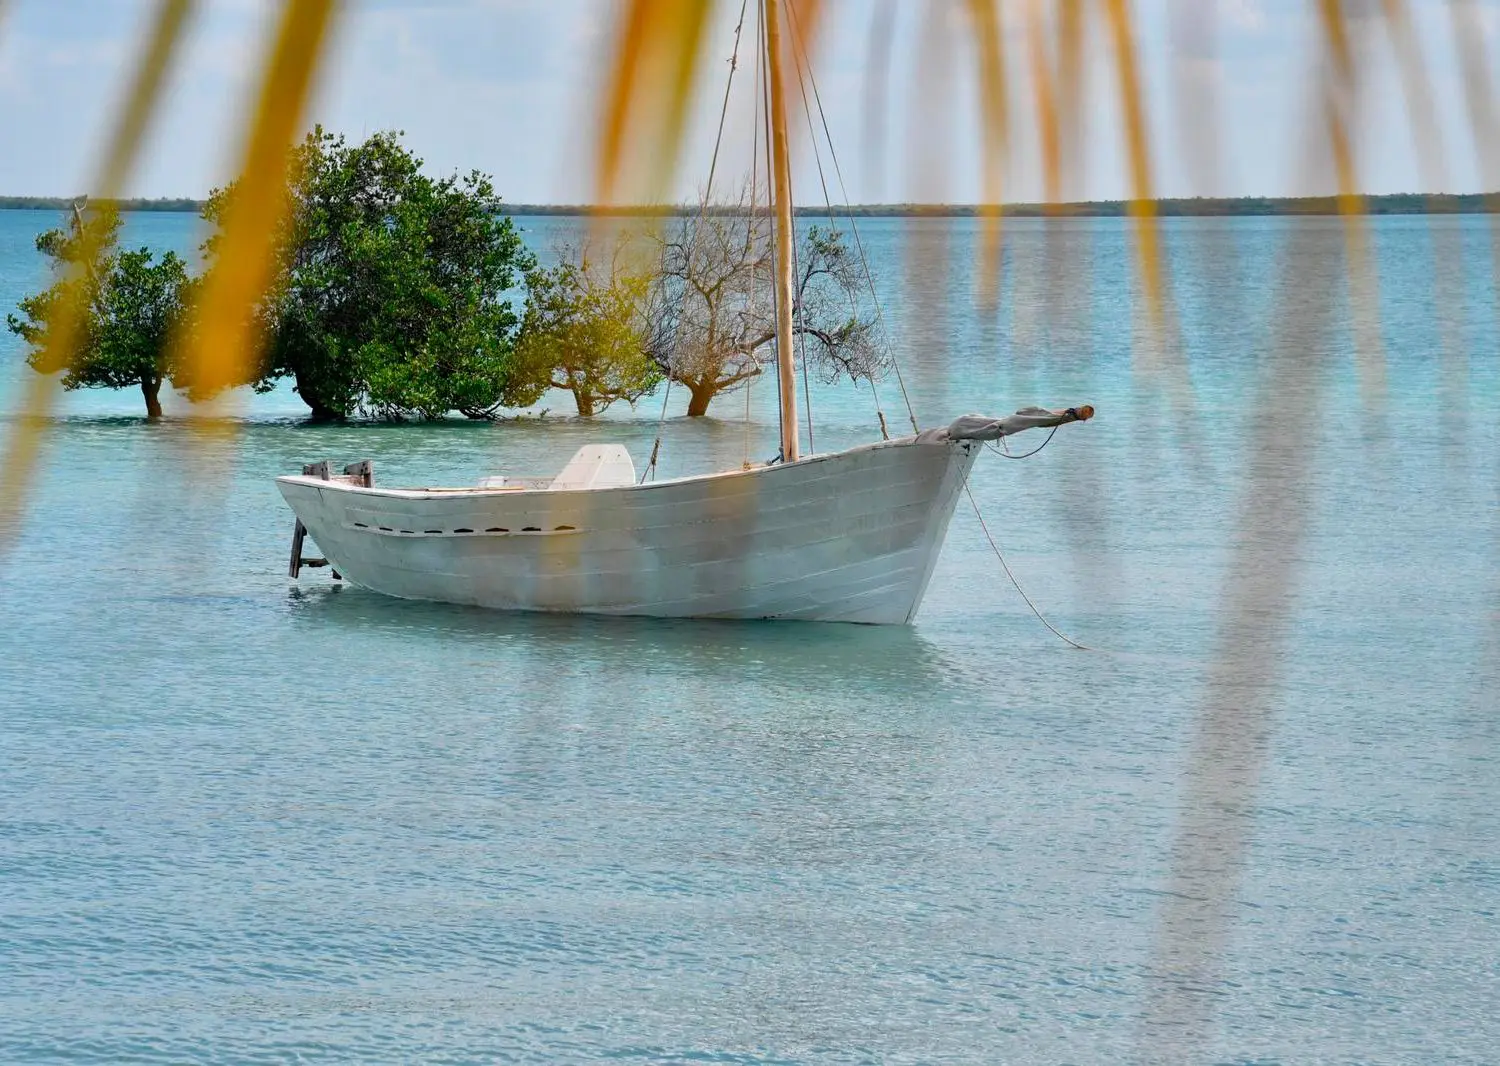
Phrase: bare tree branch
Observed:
(710, 316)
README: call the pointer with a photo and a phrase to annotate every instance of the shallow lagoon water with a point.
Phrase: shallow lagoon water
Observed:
(247, 820)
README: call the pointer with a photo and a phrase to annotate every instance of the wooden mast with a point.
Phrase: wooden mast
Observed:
(781, 185)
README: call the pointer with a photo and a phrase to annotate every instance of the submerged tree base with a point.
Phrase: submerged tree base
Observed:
(151, 393)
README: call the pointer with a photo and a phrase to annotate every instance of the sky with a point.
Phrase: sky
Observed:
(512, 88)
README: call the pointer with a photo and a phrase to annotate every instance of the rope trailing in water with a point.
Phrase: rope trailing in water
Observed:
(1006, 567)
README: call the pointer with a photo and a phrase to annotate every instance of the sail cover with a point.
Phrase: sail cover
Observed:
(983, 427)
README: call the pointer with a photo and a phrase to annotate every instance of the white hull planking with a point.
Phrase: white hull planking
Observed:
(849, 537)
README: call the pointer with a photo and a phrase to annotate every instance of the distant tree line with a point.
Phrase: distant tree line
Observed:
(55, 203)
(1175, 207)
(401, 296)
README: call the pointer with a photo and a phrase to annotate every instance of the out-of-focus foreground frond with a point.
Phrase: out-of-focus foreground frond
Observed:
(1024, 53)
(119, 156)
(222, 341)
(1235, 721)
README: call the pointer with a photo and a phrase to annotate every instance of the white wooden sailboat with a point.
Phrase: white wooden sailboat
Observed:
(848, 536)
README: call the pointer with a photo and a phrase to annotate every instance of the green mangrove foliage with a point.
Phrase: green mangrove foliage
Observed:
(392, 297)
(584, 333)
(133, 304)
(397, 296)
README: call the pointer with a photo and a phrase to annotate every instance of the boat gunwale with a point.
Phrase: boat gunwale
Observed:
(436, 493)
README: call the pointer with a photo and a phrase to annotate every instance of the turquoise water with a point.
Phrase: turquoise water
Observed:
(245, 820)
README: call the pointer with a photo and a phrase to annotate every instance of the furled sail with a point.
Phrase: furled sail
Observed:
(983, 427)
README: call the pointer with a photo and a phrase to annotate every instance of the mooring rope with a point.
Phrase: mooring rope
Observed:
(1008, 573)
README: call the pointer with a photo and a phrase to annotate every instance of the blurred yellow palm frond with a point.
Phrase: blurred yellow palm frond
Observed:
(806, 19)
(995, 124)
(1142, 204)
(1422, 113)
(649, 87)
(646, 97)
(1467, 33)
(1044, 98)
(1341, 93)
(648, 92)
(654, 62)
(1447, 243)
(62, 330)
(1070, 84)
(1338, 98)
(221, 348)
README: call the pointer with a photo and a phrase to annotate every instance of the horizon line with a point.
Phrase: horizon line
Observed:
(1166, 206)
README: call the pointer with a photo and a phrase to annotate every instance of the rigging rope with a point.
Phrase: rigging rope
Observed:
(757, 90)
(812, 139)
(745, 458)
(799, 339)
(806, 391)
(734, 64)
(854, 227)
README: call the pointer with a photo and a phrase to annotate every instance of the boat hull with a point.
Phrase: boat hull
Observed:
(850, 536)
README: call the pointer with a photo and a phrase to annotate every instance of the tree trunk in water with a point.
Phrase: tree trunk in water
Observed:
(321, 412)
(151, 391)
(585, 401)
(700, 395)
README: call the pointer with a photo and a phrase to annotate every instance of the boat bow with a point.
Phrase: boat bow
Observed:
(983, 427)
